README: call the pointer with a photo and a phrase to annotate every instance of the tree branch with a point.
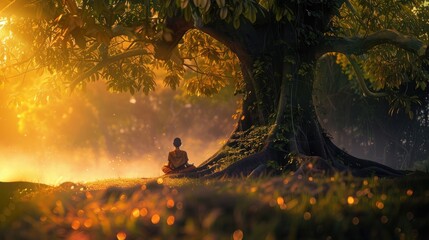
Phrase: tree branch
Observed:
(17, 63)
(176, 27)
(105, 62)
(359, 46)
(361, 79)
(197, 70)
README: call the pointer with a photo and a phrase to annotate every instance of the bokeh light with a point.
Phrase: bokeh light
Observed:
(121, 236)
(350, 200)
(155, 219)
(238, 234)
(170, 220)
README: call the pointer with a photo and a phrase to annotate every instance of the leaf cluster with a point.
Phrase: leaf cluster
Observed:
(76, 42)
(387, 68)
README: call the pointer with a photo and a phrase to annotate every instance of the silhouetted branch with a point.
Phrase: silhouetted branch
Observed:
(105, 62)
(360, 45)
(361, 79)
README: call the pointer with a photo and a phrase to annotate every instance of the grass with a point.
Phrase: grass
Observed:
(287, 207)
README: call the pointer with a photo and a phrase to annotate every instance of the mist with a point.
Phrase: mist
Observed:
(97, 135)
(54, 168)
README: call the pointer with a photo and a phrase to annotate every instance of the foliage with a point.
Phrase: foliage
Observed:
(386, 67)
(73, 42)
(293, 207)
(210, 65)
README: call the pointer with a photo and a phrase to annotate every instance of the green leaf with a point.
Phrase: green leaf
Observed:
(238, 10)
(172, 81)
(289, 15)
(236, 23)
(187, 13)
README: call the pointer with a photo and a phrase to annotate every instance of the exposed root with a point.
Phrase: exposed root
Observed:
(256, 165)
(311, 165)
(212, 160)
(246, 166)
(258, 171)
(361, 167)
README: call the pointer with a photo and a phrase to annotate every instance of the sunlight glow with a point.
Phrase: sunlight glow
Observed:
(2, 23)
(53, 166)
(70, 140)
(55, 170)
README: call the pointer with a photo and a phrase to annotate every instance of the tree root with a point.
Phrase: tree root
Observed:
(258, 171)
(256, 165)
(361, 167)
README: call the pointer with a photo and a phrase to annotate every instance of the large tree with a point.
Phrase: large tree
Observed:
(275, 44)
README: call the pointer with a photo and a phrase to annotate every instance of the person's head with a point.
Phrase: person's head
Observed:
(177, 142)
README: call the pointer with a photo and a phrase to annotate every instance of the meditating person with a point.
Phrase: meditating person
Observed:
(177, 159)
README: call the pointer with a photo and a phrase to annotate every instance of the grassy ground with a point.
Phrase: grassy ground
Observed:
(288, 207)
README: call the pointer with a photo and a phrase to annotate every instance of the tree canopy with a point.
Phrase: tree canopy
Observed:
(72, 42)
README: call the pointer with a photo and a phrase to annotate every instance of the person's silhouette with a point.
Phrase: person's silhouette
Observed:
(177, 159)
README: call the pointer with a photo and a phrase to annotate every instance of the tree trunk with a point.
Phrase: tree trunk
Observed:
(296, 139)
(278, 96)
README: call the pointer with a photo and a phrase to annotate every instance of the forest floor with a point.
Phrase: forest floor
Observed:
(286, 207)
